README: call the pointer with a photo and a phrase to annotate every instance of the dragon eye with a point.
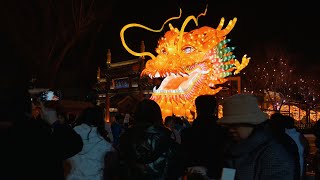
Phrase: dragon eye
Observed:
(188, 49)
(163, 51)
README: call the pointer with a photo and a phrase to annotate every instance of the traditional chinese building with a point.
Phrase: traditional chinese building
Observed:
(119, 85)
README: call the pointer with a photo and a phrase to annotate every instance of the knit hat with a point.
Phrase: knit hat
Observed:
(242, 108)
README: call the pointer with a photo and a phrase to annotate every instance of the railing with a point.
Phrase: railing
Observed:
(305, 128)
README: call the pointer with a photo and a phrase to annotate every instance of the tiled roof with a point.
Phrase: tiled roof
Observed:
(125, 63)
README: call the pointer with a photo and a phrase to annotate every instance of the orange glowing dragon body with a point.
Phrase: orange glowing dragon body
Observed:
(192, 64)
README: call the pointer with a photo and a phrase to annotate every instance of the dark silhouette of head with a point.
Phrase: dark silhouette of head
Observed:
(277, 122)
(119, 118)
(93, 116)
(288, 122)
(206, 105)
(276, 116)
(148, 111)
(169, 121)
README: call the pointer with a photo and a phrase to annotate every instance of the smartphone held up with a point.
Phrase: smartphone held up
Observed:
(50, 95)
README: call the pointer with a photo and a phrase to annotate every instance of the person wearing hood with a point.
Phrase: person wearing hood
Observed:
(89, 163)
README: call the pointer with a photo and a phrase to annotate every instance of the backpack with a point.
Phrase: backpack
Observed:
(150, 152)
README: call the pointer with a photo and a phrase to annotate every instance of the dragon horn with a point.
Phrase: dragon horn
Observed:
(221, 24)
(171, 27)
(185, 23)
(226, 30)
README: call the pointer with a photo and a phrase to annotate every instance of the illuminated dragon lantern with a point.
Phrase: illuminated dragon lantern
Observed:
(190, 63)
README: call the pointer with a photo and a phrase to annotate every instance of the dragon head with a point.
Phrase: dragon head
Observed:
(191, 64)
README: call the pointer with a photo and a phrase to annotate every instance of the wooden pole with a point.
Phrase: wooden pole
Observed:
(107, 113)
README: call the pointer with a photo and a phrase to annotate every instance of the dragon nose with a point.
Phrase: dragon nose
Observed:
(149, 64)
(166, 61)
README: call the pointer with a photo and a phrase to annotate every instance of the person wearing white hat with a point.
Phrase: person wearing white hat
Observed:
(255, 154)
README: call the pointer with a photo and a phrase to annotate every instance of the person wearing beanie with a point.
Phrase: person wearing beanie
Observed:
(254, 153)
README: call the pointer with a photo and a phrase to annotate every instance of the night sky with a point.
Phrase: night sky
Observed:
(38, 33)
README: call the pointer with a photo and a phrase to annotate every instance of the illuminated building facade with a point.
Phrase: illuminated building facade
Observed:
(119, 85)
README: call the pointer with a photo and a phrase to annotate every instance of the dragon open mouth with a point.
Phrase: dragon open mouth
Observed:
(179, 84)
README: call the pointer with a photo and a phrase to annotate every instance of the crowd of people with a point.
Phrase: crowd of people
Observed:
(245, 143)
(40, 143)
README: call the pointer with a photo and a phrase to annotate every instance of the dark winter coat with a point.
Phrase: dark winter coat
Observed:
(203, 145)
(260, 157)
(148, 152)
(34, 150)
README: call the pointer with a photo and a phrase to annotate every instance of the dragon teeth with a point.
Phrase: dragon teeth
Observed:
(157, 75)
(154, 89)
(183, 74)
(174, 75)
